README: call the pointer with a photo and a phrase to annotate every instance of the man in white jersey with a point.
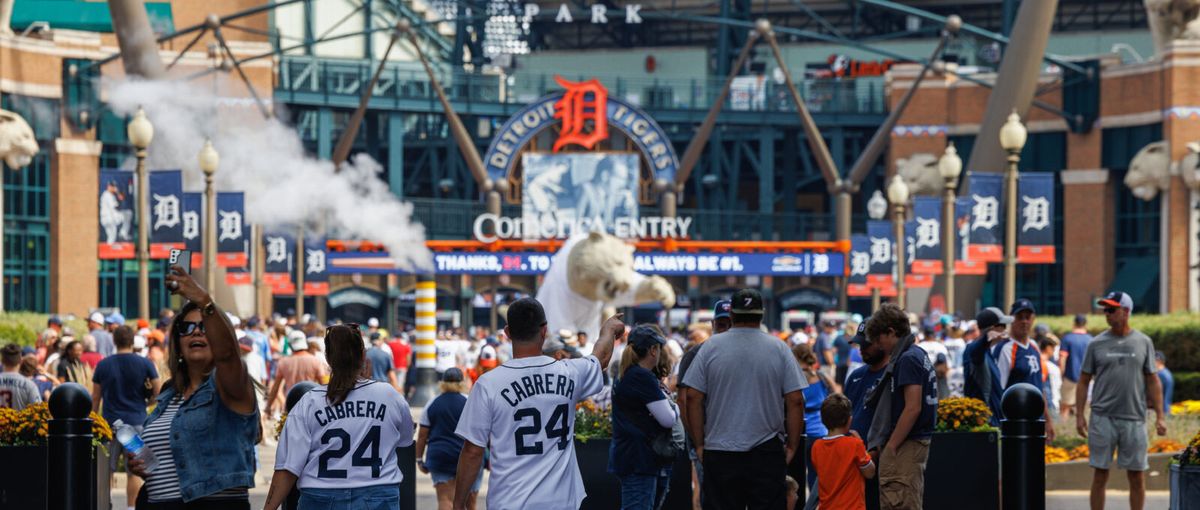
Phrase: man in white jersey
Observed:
(524, 411)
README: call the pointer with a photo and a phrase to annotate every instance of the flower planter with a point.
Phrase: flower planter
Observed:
(1185, 487)
(604, 489)
(963, 466)
(24, 483)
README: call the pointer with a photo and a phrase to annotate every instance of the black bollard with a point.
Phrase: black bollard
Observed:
(293, 397)
(70, 483)
(1023, 449)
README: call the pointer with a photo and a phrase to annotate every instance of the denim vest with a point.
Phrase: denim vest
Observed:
(213, 446)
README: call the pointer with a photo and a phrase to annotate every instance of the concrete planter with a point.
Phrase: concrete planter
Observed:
(1185, 487)
(24, 483)
(1076, 475)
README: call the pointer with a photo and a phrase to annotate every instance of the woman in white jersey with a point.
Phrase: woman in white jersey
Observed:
(339, 442)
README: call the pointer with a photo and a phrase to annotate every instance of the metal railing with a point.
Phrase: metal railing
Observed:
(299, 76)
(454, 219)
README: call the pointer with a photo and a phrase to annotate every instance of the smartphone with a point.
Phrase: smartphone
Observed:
(182, 258)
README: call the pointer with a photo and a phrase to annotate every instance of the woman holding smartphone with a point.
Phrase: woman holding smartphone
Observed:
(205, 425)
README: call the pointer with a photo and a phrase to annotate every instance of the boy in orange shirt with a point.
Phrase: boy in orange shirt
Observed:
(840, 459)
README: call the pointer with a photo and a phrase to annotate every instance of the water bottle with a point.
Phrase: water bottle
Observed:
(132, 442)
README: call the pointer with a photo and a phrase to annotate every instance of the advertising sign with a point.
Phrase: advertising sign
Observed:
(166, 212)
(987, 222)
(1035, 218)
(581, 191)
(231, 228)
(117, 230)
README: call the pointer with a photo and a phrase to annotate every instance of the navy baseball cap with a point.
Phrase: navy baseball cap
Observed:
(1117, 299)
(723, 309)
(1021, 305)
(860, 337)
(452, 374)
(645, 337)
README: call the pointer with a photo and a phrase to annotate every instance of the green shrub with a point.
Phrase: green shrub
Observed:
(23, 327)
(1187, 386)
(1177, 335)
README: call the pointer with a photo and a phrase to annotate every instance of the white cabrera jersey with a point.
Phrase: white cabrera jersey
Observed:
(352, 444)
(524, 410)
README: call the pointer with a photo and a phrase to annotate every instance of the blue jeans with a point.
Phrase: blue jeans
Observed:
(375, 497)
(644, 492)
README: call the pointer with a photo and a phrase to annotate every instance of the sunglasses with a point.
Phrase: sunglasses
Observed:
(1110, 309)
(190, 328)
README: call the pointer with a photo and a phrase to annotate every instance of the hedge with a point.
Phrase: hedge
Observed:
(23, 327)
(1177, 335)
(1187, 386)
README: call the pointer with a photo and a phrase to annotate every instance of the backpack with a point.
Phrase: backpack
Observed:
(668, 445)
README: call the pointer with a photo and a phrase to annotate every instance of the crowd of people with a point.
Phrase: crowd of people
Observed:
(857, 399)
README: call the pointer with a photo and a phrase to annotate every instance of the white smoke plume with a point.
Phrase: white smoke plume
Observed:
(265, 159)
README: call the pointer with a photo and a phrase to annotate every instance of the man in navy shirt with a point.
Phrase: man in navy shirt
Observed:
(1019, 359)
(912, 390)
(858, 383)
(981, 377)
(1074, 345)
(121, 394)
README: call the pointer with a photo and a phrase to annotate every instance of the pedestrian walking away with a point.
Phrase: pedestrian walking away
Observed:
(524, 412)
(352, 413)
(438, 447)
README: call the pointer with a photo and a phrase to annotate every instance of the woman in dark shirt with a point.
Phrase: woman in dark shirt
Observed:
(641, 411)
(437, 444)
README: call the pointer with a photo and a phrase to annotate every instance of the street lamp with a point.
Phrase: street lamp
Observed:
(950, 166)
(1012, 139)
(209, 160)
(898, 195)
(876, 210)
(141, 132)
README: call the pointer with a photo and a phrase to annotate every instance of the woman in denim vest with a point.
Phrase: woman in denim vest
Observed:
(205, 424)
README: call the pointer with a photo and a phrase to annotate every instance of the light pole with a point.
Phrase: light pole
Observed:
(898, 195)
(1012, 139)
(209, 160)
(141, 132)
(950, 166)
(876, 210)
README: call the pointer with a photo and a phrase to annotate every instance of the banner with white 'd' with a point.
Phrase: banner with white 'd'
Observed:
(1035, 218)
(232, 241)
(166, 212)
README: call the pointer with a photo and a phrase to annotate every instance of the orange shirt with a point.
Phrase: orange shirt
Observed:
(837, 460)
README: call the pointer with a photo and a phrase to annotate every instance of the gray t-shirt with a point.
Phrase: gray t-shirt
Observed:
(1119, 365)
(17, 391)
(744, 374)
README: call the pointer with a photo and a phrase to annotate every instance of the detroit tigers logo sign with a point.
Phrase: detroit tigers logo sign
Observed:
(583, 111)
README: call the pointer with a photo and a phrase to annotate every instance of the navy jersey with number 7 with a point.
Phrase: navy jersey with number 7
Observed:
(352, 444)
(524, 411)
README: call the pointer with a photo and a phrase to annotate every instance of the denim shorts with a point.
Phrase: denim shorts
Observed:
(440, 478)
(375, 497)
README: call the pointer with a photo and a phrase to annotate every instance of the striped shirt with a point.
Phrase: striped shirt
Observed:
(163, 483)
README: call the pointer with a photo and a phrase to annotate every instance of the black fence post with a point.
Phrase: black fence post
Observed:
(71, 484)
(1023, 449)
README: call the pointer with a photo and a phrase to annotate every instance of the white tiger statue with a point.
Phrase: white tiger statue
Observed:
(920, 173)
(1150, 170)
(17, 144)
(1170, 20)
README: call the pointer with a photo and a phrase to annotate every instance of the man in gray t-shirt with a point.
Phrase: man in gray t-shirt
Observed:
(16, 390)
(743, 388)
(1120, 365)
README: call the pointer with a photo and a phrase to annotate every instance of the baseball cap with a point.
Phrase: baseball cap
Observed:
(139, 342)
(487, 357)
(115, 318)
(990, 317)
(860, 337)
(252, 322)
(747, 301)
(1159, 356)
(553, 345)
(645, 337)
(1041, 329)
(941, 359)
(452, 374)
(233, 319)
(376, 337)
(96, 317)
(55, 320)
(372, 323)
(1118, 299)
(297, 340)
(1021, 305)
(246, 343)
(1080, 319)
(722, 309)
